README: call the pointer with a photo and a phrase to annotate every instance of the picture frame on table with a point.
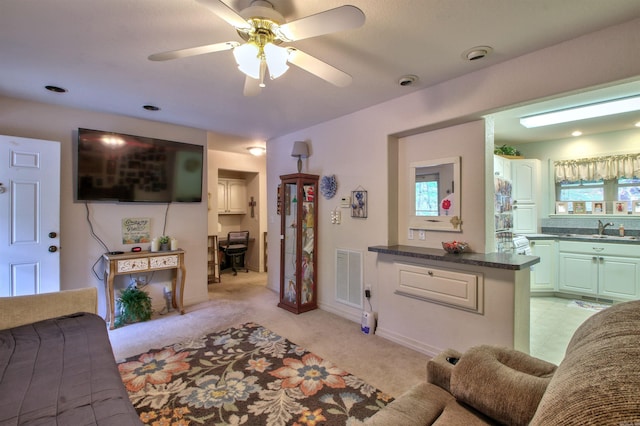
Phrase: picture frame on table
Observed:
(579, 207)
(562, 207)
(599, 207)
(620, 207)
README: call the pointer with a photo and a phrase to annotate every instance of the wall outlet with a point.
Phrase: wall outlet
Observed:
(367, 291)
(410, 236)
(422, 235)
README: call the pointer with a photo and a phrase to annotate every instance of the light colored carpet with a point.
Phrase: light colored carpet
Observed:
(386, 365)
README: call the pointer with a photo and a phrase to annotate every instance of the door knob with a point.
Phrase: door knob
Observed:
(2, 188)
(53, 249)
(52, 235)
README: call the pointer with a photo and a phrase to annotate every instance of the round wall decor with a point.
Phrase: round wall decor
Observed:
(328, 186)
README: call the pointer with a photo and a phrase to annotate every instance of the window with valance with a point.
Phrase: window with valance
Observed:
(626, 166)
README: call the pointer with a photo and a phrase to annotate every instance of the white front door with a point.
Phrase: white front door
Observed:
(29, 216)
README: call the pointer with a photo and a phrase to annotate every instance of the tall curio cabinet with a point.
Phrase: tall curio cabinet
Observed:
(297, 204)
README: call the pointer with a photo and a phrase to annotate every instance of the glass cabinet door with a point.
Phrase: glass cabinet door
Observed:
(308, 244)
(289, 264)
(299, 221)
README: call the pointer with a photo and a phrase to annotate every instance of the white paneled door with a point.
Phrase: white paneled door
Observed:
(29, 216)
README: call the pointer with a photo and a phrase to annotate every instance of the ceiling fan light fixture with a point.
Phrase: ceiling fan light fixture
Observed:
(276, 58)
(248, 60)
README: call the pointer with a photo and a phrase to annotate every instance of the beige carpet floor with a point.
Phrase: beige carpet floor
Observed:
(386, 365)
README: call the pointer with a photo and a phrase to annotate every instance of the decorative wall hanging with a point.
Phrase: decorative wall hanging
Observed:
(359, 204)
(328, 186)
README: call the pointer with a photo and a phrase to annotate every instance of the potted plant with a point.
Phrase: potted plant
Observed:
(134, 305)
(164, 242)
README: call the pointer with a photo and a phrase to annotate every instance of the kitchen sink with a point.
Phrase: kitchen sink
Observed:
(600, 237)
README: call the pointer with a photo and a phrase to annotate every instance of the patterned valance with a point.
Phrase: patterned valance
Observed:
(592, 169)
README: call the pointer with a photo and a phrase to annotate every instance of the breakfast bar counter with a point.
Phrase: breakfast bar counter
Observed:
(487, 260)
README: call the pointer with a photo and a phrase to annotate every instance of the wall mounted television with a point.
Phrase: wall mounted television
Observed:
(115, 167)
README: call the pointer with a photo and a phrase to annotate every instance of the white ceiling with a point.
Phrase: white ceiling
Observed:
(98, 51)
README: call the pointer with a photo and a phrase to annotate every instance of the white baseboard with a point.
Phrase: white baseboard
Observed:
(344, 313)
(408, 342)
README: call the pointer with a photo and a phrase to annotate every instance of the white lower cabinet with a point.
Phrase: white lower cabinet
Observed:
(543, 274)
(610, 271)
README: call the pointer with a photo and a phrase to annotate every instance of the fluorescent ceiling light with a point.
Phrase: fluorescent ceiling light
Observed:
(601, 109)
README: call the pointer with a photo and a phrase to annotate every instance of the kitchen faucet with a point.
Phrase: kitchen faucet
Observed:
(602, 226)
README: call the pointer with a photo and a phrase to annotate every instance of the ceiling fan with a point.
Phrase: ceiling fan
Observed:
(263, 29)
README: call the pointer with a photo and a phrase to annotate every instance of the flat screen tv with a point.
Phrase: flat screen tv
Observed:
(115, 167)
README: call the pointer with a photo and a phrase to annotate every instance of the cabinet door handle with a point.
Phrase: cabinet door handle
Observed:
(595, 258)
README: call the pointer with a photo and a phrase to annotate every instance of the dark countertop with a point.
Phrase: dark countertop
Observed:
(487, 260)
(574, 236)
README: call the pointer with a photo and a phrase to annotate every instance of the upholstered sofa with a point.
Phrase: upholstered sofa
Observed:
(597, 382)
(57, 365)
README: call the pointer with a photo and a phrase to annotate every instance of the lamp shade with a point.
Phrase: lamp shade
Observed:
(276, 58)
(247, 59)
(300, 149)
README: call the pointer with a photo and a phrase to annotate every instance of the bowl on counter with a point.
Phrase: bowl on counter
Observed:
(455, 247)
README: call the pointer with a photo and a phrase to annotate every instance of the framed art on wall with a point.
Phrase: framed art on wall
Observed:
(359, 204)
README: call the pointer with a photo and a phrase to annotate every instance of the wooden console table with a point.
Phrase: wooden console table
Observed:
(144, 261)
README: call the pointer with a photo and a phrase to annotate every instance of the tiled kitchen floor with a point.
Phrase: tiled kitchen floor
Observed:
(553, 322)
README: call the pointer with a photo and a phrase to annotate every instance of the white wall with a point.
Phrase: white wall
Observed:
(79, 251)
(357, 147)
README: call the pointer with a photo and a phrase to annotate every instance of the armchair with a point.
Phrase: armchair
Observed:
(597, 382)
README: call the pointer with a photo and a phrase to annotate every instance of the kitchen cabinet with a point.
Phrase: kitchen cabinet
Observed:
(525, 178)
(543, 274)
(606, 270)
(525, 175)
(232, 196)
(502, 167)
(298, 242)
(525, 218)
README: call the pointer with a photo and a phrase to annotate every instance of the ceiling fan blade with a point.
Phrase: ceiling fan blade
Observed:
(330, 21)
(226, 13)
(193, 51)
(251, 86)
(319, 68)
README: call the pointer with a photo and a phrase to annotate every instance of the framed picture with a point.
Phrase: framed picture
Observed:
(579, 207)
(562, 207)
(359, 204)
(635, 207)
(620, 207)
(598, 207)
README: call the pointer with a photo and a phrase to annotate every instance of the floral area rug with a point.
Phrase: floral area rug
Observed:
(246, 375)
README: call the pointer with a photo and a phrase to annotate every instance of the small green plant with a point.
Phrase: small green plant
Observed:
(505, 150)
(134, 305)
(165, 239)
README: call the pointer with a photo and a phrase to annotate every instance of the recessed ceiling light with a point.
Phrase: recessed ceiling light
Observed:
(55, 89)
(151, 107)
(638, 124)
(576, 133)
(407, 80)
(476, 53)
(256, 150)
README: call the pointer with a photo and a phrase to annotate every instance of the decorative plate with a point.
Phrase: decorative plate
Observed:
(328, 186)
